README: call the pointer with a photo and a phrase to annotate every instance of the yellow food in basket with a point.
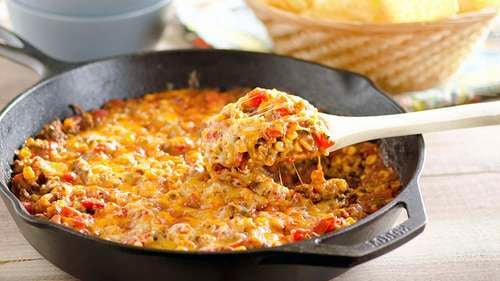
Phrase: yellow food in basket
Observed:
(474, 5)
(346, 10)
(417, 10)
(384, 10)
(291, 5)
(381, 11)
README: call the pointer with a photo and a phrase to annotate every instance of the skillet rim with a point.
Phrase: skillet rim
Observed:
(69, 67)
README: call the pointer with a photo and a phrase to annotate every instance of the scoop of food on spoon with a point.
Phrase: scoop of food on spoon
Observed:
(266, 127)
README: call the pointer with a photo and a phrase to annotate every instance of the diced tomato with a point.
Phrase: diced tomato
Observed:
(122, 212)
(299, 234)
(17, 179)
(282, 111)
(90, 204)
(179, 149)
(100, 113)
(325, 225)
(69, 212)
(255, 98)
(322, 141)
(212, 135)
(272, 133)
(69, 177)
(116, 102)
(238, 243)
(100, 147)
(77, 223)
(29, 207)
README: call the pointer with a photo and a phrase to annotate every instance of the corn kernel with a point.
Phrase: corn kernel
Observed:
(261, 221)
(69, 122)
(383, 175)
(346, 168)
(150, 174)
(395, 184)
(129, 139)
(44, 202)
(351, 150)
(279, 146)
(101, 169)
(126, 159)
(271, 236)
(291, 135)
(149, 97)
(29, 174)
(342, 185)
(277, 224)
(240, 248)
(370, 160)
(350, 221)
(240, 146)
(25, 153)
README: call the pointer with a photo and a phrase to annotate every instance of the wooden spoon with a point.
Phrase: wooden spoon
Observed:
(350, 130)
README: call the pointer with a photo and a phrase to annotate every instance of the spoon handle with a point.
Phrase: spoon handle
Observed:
(351, 130)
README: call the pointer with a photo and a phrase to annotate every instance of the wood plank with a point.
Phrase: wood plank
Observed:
(463, 151)
(34, 270)
(461, 238)
(13, 246)
(14, 79)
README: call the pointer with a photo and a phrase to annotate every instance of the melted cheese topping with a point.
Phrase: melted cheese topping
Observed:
(133, 172)
(263, 128)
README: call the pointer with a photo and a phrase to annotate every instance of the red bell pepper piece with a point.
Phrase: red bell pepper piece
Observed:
(91, 204)
(272, 133)
(69, 177)
(325, 225)
(322, 141)
(299, 234)
(255, 98)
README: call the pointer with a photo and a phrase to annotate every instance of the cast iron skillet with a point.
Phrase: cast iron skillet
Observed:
(91, 84)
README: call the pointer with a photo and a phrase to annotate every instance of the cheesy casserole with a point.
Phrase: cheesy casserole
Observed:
(135, 172)
(263, 128)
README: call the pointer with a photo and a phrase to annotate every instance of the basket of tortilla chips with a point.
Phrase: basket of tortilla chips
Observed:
(402, 45)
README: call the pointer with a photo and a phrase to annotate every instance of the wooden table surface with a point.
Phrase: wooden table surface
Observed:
(461, 189)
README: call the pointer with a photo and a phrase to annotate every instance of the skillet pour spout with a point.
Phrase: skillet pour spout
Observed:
(91, 84)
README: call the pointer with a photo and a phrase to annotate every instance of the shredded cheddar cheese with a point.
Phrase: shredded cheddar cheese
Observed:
(134, 172)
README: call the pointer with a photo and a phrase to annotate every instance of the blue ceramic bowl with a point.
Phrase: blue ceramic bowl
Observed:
(86, 38)
(87, 7)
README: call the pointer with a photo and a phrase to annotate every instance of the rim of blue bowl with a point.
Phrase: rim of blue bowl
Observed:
(156, 6)
(68, 9)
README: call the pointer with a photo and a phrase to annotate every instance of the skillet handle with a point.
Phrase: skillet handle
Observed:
(19, 50)
(322, 252)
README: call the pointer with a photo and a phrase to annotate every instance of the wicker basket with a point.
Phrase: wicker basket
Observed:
(397, 57)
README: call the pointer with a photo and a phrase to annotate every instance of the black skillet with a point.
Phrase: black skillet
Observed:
(91, 84)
